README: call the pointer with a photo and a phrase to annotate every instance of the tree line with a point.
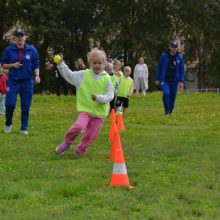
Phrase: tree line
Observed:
(124, 29)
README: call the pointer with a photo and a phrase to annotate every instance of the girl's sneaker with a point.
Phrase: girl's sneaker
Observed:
(62, 148)
(77, 155)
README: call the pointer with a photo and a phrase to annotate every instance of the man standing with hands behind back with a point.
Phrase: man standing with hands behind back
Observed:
(170, 75)
(22, 60)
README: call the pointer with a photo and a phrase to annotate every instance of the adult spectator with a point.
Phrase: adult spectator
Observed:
(141, 77)
(22, 60)
(79, 65)
(170, 75)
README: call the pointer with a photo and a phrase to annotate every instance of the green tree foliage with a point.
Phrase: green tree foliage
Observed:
(125, 29)
(136, 28)
(8, 17)
(201, 30)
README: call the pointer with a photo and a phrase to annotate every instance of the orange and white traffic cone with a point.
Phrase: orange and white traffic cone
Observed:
(120, 123)
(119, 174)
(113, 129)
(113, 126)
(116, 143)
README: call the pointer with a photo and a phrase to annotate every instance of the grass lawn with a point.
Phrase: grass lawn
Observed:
(172, 162)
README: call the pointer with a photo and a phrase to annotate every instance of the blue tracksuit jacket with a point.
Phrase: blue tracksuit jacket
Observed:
(162, 68)
(20, 81)
(29, 60)
(169, 88)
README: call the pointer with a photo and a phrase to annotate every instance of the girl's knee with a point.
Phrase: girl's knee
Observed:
(78, 127)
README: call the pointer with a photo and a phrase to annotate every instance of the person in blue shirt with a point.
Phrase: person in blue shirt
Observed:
(170, 75)
(22, 60)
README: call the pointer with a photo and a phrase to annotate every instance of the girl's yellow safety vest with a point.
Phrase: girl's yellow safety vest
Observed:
(88, 87)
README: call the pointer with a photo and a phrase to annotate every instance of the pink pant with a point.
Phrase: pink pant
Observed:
(92, 127)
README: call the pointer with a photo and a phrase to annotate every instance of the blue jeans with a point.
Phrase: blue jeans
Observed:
(25, 90)
(169, 96)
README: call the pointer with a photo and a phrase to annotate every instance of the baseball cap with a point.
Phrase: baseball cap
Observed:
(174, 44)
(19, 31)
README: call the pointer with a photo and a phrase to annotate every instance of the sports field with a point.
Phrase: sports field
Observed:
(172, 162)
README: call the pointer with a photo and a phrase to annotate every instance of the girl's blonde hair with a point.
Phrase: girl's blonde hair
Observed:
(127, 68)
(108, 64)
(117, 62)
(96, 52)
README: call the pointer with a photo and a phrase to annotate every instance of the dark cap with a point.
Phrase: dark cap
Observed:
(19, 31)
(173, 44)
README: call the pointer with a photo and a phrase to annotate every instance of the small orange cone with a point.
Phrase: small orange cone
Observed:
(112, 115)
(113, 128)
(119, 173)
(116, 143)
(120, 123)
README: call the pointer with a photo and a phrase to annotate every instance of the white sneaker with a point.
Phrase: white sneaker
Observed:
(119, 109)
(22, 132)
(8, 129)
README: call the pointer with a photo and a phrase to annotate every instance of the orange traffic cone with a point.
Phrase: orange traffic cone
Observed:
(119, 174)
(113, 128)
(112, 115)
(116, 143)
(120, 123)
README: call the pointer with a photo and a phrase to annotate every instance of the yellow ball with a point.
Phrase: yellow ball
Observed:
(57, 59)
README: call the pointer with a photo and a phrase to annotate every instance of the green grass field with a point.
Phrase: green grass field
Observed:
(172, 162)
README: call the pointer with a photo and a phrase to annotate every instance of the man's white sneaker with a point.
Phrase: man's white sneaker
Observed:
(22, 132)
(8, 129)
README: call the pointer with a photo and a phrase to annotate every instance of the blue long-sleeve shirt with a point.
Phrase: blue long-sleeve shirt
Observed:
(28, 57)
(162, 68)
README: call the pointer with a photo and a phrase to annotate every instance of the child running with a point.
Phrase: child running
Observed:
(115, 83)
(94, 92)
(125, 90)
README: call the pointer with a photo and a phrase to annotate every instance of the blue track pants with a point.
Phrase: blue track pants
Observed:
(25, 90)
(169, 96)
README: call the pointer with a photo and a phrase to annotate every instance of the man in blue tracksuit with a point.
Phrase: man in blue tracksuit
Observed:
(22, 61)
(170, 75)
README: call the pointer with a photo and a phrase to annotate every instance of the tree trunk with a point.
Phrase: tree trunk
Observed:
(201, 75)
(201, 71)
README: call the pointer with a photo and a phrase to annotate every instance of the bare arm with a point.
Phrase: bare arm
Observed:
(37, 75)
